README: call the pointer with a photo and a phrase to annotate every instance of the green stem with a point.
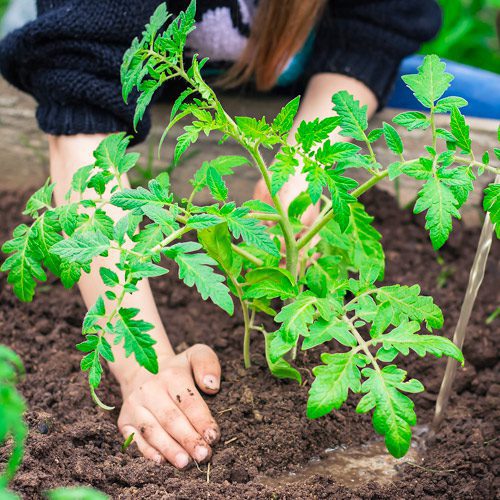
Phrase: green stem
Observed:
(362, 344)
(247, 255)
(322, 221)
(292, 253)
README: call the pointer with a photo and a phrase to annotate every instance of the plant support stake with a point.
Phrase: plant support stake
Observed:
(475, 280)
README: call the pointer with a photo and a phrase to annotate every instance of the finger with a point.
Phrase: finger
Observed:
(178, 426)
(154, 436)
(147, 450)
(205, 366)
(190, 402)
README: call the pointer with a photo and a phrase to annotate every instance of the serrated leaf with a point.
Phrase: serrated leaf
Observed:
(135, 338)
(283, 167)
(398, 304)
(393, 413)
(446, 104)
(460, 130)
(315, 131)
(197, 269)
(216, 184)
(270, 283)
(109, 277)
(94, 314)
(392, 139)
(491, 204)
(146, 270)
(184, 141)
(216, 240)
(353, 117)
(437, 199)
(81, 247)
(339, 187)
(330, 153)
(284, 119)
(250, 230)
(280, 368)
(40, 200)
(431, 82)
(332, 383)
(24, 266)
(322, 331)
(404, 337)
(412, 120)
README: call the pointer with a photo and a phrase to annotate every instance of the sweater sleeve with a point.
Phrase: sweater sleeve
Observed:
(367, 39)
(69, 60)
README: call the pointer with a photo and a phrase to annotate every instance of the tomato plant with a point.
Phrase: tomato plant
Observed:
(326, 277)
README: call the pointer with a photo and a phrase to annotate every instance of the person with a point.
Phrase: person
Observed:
(68, 58)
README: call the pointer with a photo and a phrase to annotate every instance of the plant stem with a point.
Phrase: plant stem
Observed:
(247, 255)
(361, 342)
(292, 253)
(328, 215)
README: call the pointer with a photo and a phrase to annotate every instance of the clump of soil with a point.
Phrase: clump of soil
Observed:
(263, 423)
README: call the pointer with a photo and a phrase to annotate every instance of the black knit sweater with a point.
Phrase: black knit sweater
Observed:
(69, 57)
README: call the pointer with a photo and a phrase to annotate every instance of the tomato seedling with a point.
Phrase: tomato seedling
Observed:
(333, 297)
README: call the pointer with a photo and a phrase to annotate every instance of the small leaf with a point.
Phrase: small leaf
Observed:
(109, 277)
(353, 117)
(392, 139)
(284, 119)
(216, 184)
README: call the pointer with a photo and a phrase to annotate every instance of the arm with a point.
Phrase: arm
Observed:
(169, 418)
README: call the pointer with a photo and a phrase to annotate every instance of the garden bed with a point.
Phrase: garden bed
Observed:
(264, 428)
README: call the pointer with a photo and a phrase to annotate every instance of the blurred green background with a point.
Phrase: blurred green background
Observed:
(469, 33)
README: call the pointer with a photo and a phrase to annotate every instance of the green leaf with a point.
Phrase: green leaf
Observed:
(339, 187)
(256, 130)
(180, 101)
(368, 250)
(135, 338)
(162, 217)
(315, 131)
(216, 240)
(109, 277)
(97, 221)
(81, 247)
(299, 314)
(146, 270)
(437, 199)
(76, 493)
(196, 269)
(412, 120)
(45, 235)
(398, 304)
(24, 266)
(110, 151)
(217, 186)
(334, 379)
(80, 178)
(393, 413)
(322, 331)
(404, 337)
(431, 82)
(280, 368)
(392, 139)
(284, 119)
(447, 104)
(40, 200)
(316, 178)
(460, 130)
(250, 230)
(283, 167)
(491, 204)
(203, 221)
(185, 140)
(94, 314)
(330, 153)
(270, 283)
(353, 117)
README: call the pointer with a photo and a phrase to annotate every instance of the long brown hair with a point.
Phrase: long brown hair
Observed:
(279, 30)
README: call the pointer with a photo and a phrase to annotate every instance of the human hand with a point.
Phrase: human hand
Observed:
(169, 418)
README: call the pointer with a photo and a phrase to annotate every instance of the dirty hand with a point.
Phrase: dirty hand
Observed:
(169, 418)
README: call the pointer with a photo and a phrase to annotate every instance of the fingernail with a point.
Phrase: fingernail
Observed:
(158, 459)
(211, 382)
(181, 460)
(211, 436)
(200, 453)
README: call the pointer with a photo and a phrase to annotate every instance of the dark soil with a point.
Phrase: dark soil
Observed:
(264, 428)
